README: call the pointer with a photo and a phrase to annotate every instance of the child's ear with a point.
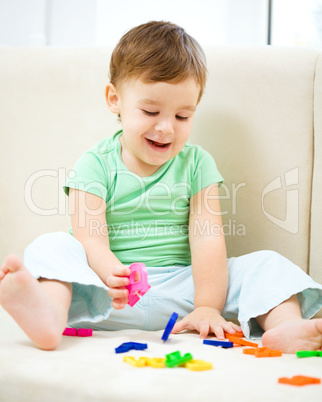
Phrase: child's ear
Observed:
(112, 98)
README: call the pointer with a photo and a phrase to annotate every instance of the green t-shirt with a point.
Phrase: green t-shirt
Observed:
(147, 217)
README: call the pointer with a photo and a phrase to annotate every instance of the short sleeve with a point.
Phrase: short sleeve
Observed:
(89, 174)
(205, 172)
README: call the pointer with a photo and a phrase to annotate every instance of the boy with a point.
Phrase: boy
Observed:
(146, 195)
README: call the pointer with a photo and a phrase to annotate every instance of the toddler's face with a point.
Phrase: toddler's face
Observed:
(156, 119)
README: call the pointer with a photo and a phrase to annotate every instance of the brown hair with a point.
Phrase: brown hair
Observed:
(158, 51)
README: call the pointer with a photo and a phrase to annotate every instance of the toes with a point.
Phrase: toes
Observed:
(13, 263)
(3, 271)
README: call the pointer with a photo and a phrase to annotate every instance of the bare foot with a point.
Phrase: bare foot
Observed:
(23, 297)
(294, 335)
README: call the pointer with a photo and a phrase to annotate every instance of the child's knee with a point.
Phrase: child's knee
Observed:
(53, 242)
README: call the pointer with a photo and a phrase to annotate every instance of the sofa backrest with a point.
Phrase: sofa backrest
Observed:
(260, 117)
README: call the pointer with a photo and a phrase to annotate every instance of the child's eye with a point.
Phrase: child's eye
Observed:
(150, 113)
(182, 118)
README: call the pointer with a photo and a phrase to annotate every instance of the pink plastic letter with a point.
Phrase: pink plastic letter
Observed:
(137, 287)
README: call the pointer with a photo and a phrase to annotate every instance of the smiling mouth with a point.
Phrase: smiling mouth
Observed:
(159, 144)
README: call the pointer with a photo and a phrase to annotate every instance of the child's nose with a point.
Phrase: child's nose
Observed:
(164, 126)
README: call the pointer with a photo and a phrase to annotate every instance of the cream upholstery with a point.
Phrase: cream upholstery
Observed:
(260, 118)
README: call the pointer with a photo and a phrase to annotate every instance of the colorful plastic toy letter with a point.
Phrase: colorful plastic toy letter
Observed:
(175, 359)
(156, 362)
(70, 332)
(137, 287)
(223, 344)
(126, 346)
(267, 352)
(299, 380)
(249, 351)
(169, 327)
(238, 334)
(309, 353)
(82, 332)
(239, 341)
(141, 362)
(198, 365)
(262, 352)
(274, 353)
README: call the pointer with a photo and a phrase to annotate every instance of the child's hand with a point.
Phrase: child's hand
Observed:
(206, 320)
(116, 281)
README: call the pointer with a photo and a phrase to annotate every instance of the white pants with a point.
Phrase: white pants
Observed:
(258, 282)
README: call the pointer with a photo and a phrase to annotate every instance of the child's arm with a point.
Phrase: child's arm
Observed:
(209, 266)
(90, 228)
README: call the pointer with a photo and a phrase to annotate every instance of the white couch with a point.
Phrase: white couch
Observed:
(260, 118)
